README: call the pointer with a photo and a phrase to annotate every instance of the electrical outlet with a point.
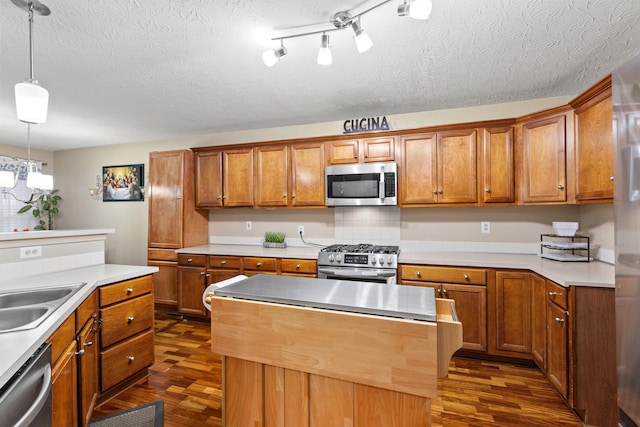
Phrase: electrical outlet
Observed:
(249, 226)
(485, 227)
(301, 230)
(31, 252)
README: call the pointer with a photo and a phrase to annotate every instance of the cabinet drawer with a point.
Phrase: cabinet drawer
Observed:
(125, 290)
(126, 319)
(230, 262)
(192, 260)
(125, 359)
(86, 310)
(299, 266)
(557, 294)
(162, 255)
(261, 264)
(61, 338)
(443, 274)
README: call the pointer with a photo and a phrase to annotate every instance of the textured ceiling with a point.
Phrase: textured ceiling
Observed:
(139, 70)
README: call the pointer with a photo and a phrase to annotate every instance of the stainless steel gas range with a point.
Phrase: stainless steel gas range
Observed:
(360, 262)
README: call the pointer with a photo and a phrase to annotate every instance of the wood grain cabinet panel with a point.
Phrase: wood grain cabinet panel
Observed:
(125, 359)
(513, 312)
(126, 290)
(192, 281)
(539, 321)
(558, 348)
(498, 179)
(126, 319)
(342, 152)
(379, 149)
(594, 144)
(237, 177)
(439, 168)
(307, 175)
(271, 183)
(208, 183)
(544, 160)
(299, 267)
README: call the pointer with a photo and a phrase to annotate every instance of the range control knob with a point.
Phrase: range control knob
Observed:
(338, 258)
(330, 258)
(373, 260)
(390, 260)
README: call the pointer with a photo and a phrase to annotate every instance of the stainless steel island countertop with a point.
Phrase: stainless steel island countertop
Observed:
(407, 302)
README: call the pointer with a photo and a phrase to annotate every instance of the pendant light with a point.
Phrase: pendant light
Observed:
(32, 100)
(324, 54)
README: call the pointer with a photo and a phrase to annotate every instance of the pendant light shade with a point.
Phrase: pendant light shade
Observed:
(363, 41)
(32, 101)
(420, 9)
(7, 179)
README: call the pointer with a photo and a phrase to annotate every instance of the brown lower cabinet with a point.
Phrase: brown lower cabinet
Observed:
(197, 271)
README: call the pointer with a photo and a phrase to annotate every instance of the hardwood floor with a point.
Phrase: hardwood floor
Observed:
(187, 376)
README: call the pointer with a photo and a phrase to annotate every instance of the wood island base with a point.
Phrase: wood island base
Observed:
(286, 365)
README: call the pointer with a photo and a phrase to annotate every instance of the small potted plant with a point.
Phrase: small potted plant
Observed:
(274, 239)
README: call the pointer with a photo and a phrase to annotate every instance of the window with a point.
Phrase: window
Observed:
(9, 218)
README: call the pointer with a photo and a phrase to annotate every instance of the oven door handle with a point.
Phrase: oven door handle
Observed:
(42, 398)
(352, 274)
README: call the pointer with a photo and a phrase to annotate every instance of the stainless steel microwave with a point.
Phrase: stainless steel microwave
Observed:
(368, 184)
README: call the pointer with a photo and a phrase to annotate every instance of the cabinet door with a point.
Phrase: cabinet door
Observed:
(379, 149)
(539, 321)
(471, 306)
(594, 151)
(307, 175)
(238, 177)
(457, 178)
(64, 388)
(165, 199)
(191, 285)
(557, 347)
(342, 152)
(513, 312)
(88, 353)
(498, 176)
(208, 179)
(544, 164)
(418, 179)
(271, 172)
(165, 283)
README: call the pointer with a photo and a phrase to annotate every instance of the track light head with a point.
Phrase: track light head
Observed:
(271, 56)
(324, 54)
(363, 41)
(417, 9)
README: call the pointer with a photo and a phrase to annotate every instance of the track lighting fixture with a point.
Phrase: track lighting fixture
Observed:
(271, 56)
(324, 54)
(417, 9)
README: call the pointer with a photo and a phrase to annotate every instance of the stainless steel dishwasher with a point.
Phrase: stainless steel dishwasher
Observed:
(26, 398)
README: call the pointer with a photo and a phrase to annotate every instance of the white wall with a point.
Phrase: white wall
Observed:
(76, 170)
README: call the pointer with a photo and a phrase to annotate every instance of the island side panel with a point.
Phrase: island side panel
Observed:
(389, 353)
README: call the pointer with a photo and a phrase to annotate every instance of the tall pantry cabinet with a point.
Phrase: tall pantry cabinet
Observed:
(174, 222)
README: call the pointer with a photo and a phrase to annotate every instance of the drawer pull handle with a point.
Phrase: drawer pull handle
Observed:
(444, 291)
(559, 320)
(223, 262)
(466, 276)
(435, 191)
(553, 294)
(129, 290)
(131, 358)
(560, 187)
(298, 266)
(259, 264)
(189, 259)
(88, 343)
(202, 273)
(418, 274)
(207, 275)
(130, 319)
(80, 353)
(487, 190)
(439, 291)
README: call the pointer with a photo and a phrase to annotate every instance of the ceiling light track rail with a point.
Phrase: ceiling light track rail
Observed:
(417, 9)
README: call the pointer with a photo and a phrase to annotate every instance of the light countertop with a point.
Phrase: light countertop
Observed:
(16, 347)
(595, 273)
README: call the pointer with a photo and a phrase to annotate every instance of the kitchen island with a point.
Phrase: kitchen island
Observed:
(299, 351)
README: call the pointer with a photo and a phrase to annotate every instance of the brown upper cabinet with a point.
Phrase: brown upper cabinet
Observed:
(594, 143)
(543, 157)
(438, 168)
(497, 163)
(379, 149)
(224, 178)
(289, 175)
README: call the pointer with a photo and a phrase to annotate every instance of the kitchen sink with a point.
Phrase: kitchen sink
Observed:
(22, 317)
(17, 299)
(26, 309)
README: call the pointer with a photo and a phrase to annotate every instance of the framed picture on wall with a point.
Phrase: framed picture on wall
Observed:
(124, 183)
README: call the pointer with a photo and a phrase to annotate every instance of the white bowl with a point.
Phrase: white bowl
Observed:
(567, 229)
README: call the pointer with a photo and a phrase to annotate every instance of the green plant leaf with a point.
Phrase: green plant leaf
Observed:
(24, 208)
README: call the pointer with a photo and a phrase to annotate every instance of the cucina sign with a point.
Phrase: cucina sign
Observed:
(365, 124)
